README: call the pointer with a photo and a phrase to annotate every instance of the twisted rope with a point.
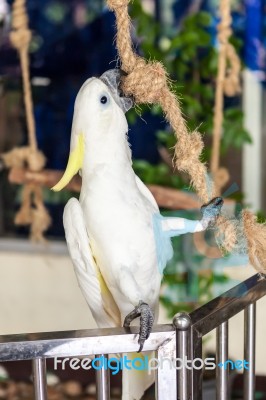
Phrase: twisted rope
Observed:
(228, 82)
(20, 38)
(32, 211)
(148, 83)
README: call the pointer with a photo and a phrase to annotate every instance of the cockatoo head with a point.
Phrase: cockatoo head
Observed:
(99, 123)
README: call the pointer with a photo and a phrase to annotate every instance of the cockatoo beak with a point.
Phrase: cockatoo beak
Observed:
(74, 164)
(112, 79)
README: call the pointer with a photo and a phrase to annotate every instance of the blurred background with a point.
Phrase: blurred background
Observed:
(74, 40)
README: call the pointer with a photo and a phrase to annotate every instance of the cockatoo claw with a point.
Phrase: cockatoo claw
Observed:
(212, 210)
(262, 276)
(146, 315)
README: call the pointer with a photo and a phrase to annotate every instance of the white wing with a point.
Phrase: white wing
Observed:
(91, 282)
(146, 192)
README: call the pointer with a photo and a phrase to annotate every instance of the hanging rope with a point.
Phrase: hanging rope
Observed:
(32, 211)
(228, 82)
(148, 83)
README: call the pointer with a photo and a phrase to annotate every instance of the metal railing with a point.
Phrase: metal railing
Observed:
(180, 340)
(191, 328)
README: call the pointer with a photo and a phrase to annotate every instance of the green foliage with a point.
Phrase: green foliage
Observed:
(261, 217)
(61, 197)
(157, 174)
(236, 134)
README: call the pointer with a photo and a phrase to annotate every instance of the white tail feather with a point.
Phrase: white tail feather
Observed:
(135, 382)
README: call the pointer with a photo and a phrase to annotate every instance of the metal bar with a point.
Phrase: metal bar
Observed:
(39, 378)
(221, 358)
(182, 373)
(196, 375)
(79, 343)
(221, 309)
(165, 379)
(249, 351)
(182, 324)
(115, 340)
(102, 378)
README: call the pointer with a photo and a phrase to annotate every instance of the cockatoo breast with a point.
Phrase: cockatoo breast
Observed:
(119, 220)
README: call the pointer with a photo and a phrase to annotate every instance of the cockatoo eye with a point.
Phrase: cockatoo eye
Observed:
(104, 99)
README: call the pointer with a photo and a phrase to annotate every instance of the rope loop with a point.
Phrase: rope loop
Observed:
(232, 79)
(221, 177)
(21, 39)
(32, 211)
(146, 81)
(21, 35)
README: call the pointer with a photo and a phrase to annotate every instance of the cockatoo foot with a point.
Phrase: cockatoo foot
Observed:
(146, 315)
(211, 210)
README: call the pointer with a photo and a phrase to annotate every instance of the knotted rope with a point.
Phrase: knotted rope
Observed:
(32, 211)
(228, 82)
(148, 82)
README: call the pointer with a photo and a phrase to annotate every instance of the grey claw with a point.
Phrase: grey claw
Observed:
(145, 313)
(141, 344)
(262, 276)
(212, 209)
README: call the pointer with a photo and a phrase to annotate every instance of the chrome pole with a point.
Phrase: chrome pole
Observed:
(221, 358)
(39, 378)
(249, 351)
(182, 323)
(102, 378)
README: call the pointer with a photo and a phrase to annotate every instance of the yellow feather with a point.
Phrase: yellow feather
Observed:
(74, 164)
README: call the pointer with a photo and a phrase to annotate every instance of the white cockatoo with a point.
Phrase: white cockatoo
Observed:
(117, 239)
